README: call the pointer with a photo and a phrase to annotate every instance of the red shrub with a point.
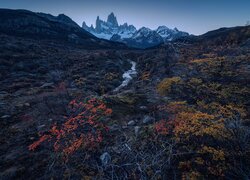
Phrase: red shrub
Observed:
(83, 128)
(161, 127)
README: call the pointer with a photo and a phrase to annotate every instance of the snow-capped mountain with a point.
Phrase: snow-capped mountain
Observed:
(142, 38)
(128, 34)
(106, 29)
(170, 34)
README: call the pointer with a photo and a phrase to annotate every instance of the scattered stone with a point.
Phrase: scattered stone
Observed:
(19, 105)
(47, 85)
(147, 119)
(114, 127)
(41, 126)
(105, 158)
(124, 127)
(143, 108)
(137, 130)
(131, 123)
(5, 116)
(27, 104)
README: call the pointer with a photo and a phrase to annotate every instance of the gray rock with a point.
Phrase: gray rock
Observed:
(131, 123)
(41, 126)
(5, 116)
(147, 119)
(47, 85)
(114, 127)
(27, 104)
(137, 130)
(144, 108)
(124, 127)
(105, 158)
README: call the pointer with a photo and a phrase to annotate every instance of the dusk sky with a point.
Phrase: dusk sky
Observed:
(193, 16)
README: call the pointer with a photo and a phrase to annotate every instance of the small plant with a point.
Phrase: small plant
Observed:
(111, 76)
(161, 127)
(164, 87)
(84, 128)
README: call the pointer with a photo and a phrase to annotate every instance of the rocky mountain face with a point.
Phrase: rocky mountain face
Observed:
(128, 34)
(25, 23)
(170, 34)
(106, 29)
(142, 38)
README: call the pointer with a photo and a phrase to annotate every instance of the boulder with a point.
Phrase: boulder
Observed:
(131, 123)
(105, 158)
(137, 130)
(148, 119)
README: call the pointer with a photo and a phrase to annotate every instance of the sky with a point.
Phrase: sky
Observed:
(193, 16)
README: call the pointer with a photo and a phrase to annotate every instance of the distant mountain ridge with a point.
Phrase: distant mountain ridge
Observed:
(128, 34)
(24, 23)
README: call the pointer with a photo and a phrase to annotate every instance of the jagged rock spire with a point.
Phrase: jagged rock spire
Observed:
(98, 24)
(112, 20)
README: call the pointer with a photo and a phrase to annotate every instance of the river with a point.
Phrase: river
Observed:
(127, 76)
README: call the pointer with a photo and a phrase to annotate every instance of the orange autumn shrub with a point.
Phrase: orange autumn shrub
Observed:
(161, 127)
(83, 128)
(190, 128)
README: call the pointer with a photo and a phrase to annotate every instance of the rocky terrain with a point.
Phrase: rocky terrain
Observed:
(184, 112)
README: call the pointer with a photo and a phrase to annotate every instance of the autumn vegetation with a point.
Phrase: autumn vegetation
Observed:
(83, 129)
(184, 116)
(207, 115)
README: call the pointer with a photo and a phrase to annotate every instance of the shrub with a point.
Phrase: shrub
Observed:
(166, 84)
(83, 128)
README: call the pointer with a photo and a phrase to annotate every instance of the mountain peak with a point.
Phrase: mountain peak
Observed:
(128, 34)
(161, 28)
(112, 20)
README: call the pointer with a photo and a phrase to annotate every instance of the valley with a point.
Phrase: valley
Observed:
(73, 106)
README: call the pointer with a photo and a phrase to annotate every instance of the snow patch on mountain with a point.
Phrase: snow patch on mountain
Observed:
(128, 34)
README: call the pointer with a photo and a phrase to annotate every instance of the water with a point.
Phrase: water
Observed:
(127, 76)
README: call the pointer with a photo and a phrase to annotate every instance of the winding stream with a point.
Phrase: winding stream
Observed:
(127, 76)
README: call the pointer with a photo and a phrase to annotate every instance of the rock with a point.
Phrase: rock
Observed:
(144, 108)
(5, 116)
(21, 105)
(137, 130)
(131, 123)
(41, 126)
(105, 158)
(124, 127)
(47, 85)
(114, 127)
(27, 104)
(147, 119)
